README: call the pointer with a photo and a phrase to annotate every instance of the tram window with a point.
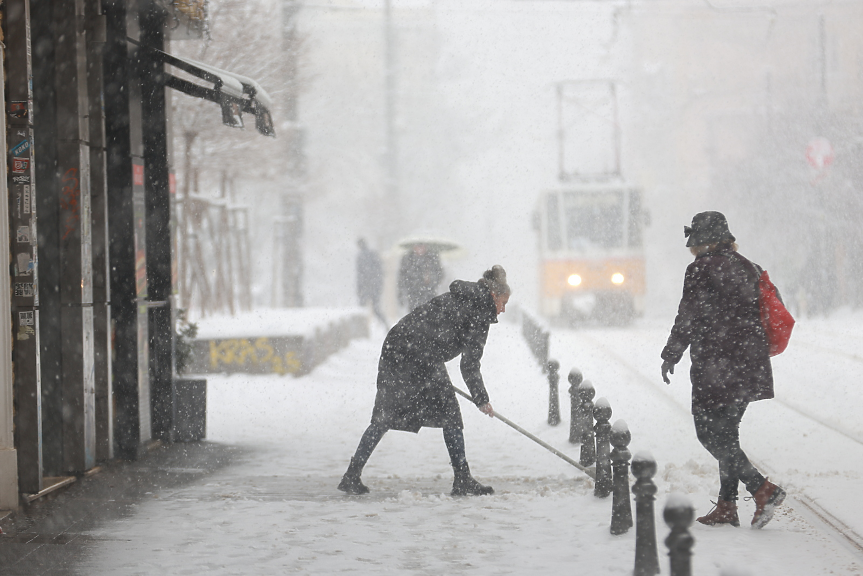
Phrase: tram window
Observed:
(636, 219)
(553, 218)
(594, 220)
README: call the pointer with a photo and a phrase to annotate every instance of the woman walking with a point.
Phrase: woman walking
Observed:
(719, 320)
(413, 387)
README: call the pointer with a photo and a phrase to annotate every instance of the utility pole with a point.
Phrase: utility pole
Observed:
(289, 228)
(391, 145)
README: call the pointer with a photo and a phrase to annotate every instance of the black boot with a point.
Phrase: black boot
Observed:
(351, 482)
(465, 485)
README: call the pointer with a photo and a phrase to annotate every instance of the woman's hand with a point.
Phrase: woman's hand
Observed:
(487, 409)
(667, 368)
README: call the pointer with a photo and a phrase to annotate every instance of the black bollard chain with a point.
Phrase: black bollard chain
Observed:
(602, 429)
(621, 509)
(575, 378)
(553, 395)
(646, 559)
(679, 514)
(588, 443)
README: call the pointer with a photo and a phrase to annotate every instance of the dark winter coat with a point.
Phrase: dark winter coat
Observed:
(719, 320)
(419, 276)
(414, 389)
(370, 276)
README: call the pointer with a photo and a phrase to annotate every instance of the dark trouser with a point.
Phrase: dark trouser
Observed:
(453, 438)
(718, 431)
(376, 308)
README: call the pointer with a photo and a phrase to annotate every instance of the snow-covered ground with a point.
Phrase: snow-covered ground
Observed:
(279, 511)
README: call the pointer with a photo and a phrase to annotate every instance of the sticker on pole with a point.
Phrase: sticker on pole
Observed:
(20, 165)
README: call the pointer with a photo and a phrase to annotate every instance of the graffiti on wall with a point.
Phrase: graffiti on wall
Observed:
(239, 353)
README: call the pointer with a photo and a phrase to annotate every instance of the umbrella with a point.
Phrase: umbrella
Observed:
(431, 243)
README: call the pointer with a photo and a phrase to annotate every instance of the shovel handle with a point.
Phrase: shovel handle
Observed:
(589, 471)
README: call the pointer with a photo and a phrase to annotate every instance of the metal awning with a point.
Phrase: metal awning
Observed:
(234, 93)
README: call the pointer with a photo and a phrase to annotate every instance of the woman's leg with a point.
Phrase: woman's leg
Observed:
(454, 440)
(463, 483)
(351, 482)
(718, 431)
(370, 440)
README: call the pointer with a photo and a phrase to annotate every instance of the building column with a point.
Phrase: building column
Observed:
(160, 231)
(45, 187)
(18, 218)
(8, 454)
(95, 25)
(76, 271)
(126, 217)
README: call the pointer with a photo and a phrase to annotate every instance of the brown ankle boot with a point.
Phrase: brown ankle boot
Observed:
(724, 512)
(767, 498)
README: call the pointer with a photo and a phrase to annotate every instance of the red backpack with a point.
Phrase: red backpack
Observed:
(775, 317)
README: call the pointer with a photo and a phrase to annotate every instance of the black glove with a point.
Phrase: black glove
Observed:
(667, 368)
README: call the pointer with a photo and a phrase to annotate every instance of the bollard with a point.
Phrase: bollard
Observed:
(575, 377)
(646, 559)
(544, 338)
(553, 396)
(588, 445)
(621, 509)
(679, 514)
(602, 429)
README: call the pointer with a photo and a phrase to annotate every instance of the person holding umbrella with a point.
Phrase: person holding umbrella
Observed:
(420, 272)
(413, 386)
(719, 320)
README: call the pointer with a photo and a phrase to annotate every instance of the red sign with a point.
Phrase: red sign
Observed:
(20, 165)
(137, 175)
(172, 184)
(819, 153)
(18, 109)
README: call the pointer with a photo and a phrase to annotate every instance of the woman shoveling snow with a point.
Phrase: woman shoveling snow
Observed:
(413, 386)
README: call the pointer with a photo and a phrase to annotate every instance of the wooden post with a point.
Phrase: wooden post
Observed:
(602, 429)
(621, 509)
(646, 559)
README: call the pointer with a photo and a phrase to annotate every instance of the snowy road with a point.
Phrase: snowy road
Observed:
(808, 438)
(279, 512)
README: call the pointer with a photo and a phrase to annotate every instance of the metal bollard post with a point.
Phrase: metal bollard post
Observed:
(553, 395)
(621, 509)
(679, 514)
(575, 378)
(646, 559)
(544, 346)
(602, 413)
(588, 444)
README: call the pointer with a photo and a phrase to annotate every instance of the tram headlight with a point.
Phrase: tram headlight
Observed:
(617, 278)
(574, 280)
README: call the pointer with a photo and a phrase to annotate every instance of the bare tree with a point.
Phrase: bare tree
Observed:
(246, 37)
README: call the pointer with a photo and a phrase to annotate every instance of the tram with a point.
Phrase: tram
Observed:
(591, 254)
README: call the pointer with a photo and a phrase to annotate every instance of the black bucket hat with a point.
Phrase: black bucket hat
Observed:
(708, 228)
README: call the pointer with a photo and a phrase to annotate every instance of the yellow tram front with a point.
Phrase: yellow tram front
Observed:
(591, 255)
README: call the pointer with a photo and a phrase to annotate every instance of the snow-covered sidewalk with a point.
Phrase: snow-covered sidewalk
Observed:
(279, 511)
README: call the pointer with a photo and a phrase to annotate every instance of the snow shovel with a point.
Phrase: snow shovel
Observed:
(589, 471)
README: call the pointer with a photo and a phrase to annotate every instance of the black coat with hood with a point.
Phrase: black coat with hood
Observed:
(414, 389)
(719, 320)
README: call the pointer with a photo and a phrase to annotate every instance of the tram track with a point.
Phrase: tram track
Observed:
(856, 438)
(809, 508)
(813, 346)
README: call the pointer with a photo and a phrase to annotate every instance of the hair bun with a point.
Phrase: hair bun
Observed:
(495, 280)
